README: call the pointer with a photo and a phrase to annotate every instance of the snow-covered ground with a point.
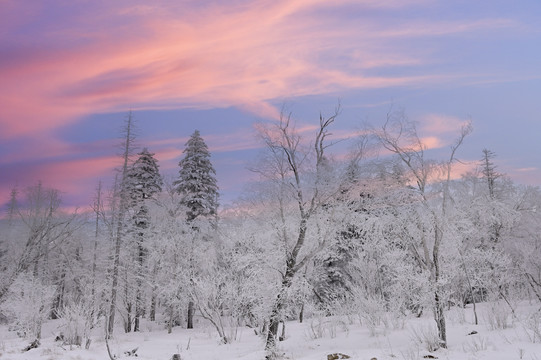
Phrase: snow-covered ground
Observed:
(500, 336)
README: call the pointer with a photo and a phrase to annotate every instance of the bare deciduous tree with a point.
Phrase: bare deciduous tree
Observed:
(302, 178)
(399, 136)
(123, 199)
(47, 228)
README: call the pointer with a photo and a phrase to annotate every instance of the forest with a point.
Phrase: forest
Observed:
(379, 235)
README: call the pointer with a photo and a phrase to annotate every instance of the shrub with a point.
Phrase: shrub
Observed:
(426, 336)
(28, 303)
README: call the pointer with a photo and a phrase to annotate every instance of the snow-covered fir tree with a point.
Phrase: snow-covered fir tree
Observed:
(197, 179)
(144, 181)
(198, 192)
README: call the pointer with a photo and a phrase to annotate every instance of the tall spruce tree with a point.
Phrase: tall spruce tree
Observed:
(197, 180)
(144, 181)
(198, 190)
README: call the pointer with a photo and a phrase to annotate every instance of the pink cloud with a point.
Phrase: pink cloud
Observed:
(136, 55)
(102, 57)
(461, 168)
(431, 142)
(73, 177)
(441, 124)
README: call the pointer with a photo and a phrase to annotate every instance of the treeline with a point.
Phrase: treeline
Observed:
(379, 237)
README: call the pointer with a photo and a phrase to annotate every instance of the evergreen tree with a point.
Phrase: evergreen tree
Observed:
(488, 169)
(197, 182)
(144, 181)
(197, 188)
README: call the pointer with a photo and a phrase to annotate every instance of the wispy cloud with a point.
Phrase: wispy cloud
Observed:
(528, 169)
(238, 140)
(527, 176)
(61, 61)
(442, 28)
(129, 54)
(441, 124)
(70, 176)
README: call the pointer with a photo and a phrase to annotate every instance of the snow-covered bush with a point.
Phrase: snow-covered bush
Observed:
(426, 336)
(28, 303)
(322, 326)
(372, 312)
(77, 320)
(316, 329)
(496, 315)
(214, 296)
(475, 344)
(532, 326)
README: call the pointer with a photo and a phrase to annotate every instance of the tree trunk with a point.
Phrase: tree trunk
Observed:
(97, 210)
(128, 320)
(170, 323)
(114, 287)
(190, 315)
(277, 308)
(120, 223)
(439, 315)
(139, 308)
(127, 323)
(136, 321)
(58, 303)
(440, 320)
(153, 296)
(152, 314)
(287, 280)
(471, 290)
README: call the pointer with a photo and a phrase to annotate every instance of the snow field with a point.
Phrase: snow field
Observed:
(393, 338)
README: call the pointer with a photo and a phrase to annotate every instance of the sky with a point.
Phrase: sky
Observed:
(71, 70)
